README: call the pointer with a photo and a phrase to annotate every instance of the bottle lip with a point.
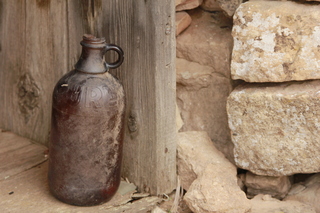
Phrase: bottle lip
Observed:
(92, 41)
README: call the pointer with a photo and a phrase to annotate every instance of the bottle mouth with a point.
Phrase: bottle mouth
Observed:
(92, 41)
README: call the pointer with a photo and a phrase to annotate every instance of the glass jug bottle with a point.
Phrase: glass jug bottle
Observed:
(85, 148)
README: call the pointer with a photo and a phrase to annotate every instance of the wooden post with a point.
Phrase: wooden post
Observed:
(40, 42)
(145, 30)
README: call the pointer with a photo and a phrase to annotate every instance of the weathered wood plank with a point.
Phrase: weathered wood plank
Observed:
(12, 49)
(32, 58)
(28, 192)
(8, 142)
(18, 154)
(40, 42)
(145, 30)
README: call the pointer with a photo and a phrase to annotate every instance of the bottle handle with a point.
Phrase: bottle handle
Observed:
(120, 53)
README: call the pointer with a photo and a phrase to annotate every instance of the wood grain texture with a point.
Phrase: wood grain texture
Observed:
(28, 192)
(40, 42)
(33, 57)
(145, 30)
(12, 48)
(18, 154)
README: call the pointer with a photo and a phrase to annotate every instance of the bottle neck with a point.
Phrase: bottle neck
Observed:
(92, 56)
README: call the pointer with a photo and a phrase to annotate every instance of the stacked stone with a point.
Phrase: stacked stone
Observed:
(271, 116)
(183, 19)
(204, 46)
(274, 116)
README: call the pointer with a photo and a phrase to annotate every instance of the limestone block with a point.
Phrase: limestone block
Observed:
(201, 97)
(211, 5)
(216, 190)
(275, 128)
(277, 187)
(195, 151)
(267, 204)
(308, 192)
(276, 41)
(207, 41)
(188, 5)
(183, 20)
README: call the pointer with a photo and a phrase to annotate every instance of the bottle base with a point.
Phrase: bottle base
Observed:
(85, 197)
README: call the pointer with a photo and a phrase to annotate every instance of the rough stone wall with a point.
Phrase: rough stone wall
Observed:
(275, 126)
(203, 75)
(248, 81)
(276, 42)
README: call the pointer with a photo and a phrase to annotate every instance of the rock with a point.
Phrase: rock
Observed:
(241, 180)
(277, 187)
(158, 210)
(267, 204)
(229, 6)
(314, 179)
(201, 96)
(180, 2)
(276, 41)
(188, 5)
(216, 190)
(275, 127)
(183, 20)
(195, 151)
(207, 41)
(193, 75)
(308, 192)
(211, 5)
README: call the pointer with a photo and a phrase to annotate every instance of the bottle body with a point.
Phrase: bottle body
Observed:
(86, 138)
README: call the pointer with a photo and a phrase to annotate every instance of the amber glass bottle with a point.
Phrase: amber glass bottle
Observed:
(85, 147)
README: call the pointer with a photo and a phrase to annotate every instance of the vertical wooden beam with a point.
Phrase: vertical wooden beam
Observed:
(145, 30)
(33, 57)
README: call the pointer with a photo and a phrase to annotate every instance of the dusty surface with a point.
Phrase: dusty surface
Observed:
(267, 204)
(18, 154)
(28, 192)
(24, 185)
